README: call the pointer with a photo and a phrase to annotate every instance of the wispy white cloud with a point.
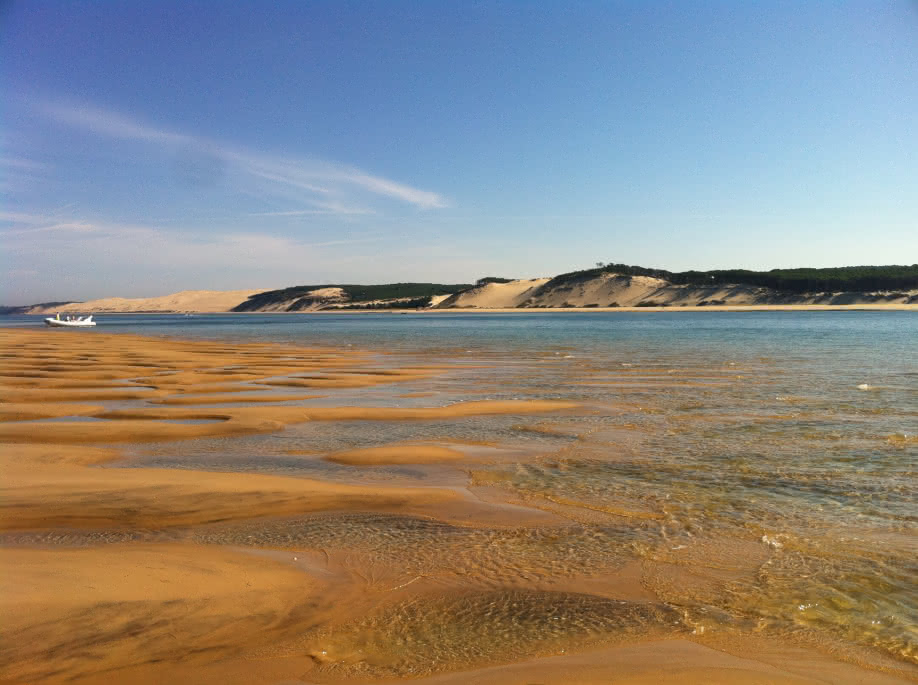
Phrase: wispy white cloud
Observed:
(382, 186)
(27, 223)
(21, 163)
(18, 174)
(106, 123)
(23, 218)
(329, 208)
(326, 186)
(33, 236)
(296, 212)
(65, 227)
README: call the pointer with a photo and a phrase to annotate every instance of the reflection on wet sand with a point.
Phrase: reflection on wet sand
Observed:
(552, 520)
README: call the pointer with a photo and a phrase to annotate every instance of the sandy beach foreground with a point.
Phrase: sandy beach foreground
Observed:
(112, 571)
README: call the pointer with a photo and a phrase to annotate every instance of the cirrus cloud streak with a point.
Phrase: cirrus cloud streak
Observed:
(328, 186)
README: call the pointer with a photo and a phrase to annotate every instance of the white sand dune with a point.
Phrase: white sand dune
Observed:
(184, 301)
(601, 291)
(495, 295)
(615, 290)
(309, 301)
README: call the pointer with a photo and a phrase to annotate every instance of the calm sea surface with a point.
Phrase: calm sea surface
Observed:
(762, 467)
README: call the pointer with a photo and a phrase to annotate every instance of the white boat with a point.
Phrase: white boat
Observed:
(70, 321)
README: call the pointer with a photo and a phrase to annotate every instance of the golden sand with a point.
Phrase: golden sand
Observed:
(40, 494)
(31, 411)
(73, 613)
(232, 398)
(42, 464)
(670, 662)
(148, 424)
(396, 454)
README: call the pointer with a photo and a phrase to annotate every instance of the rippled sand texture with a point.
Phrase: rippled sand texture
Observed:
(217, 512)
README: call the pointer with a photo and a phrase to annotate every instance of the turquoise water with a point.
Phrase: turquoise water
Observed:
(803, 333)
(763, 467)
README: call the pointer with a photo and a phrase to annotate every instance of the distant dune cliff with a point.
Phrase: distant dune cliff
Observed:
(184, 301)
(614, 290)
(620, 285)
(613, 285)
(310, 298)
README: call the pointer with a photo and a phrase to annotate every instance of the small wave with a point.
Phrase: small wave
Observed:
(866, 386)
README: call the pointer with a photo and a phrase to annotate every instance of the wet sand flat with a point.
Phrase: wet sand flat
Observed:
(49, 496)
(666, 662)
(427, 535)
(73, 613)
(396, 454)
(168, 423)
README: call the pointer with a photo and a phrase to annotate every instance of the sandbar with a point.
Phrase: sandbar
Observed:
(395, 454)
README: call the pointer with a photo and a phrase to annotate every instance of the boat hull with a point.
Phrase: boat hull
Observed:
(56, 323)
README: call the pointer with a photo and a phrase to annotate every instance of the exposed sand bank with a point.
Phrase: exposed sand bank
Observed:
(38, 469)
(229, 398)
(147, 424)
(32, 411)
(163, 498)
(396, 454)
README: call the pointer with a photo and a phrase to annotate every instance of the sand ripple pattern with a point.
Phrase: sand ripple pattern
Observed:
(489, 557)
(429, 635)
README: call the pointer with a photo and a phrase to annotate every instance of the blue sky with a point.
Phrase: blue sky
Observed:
(148, 147)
